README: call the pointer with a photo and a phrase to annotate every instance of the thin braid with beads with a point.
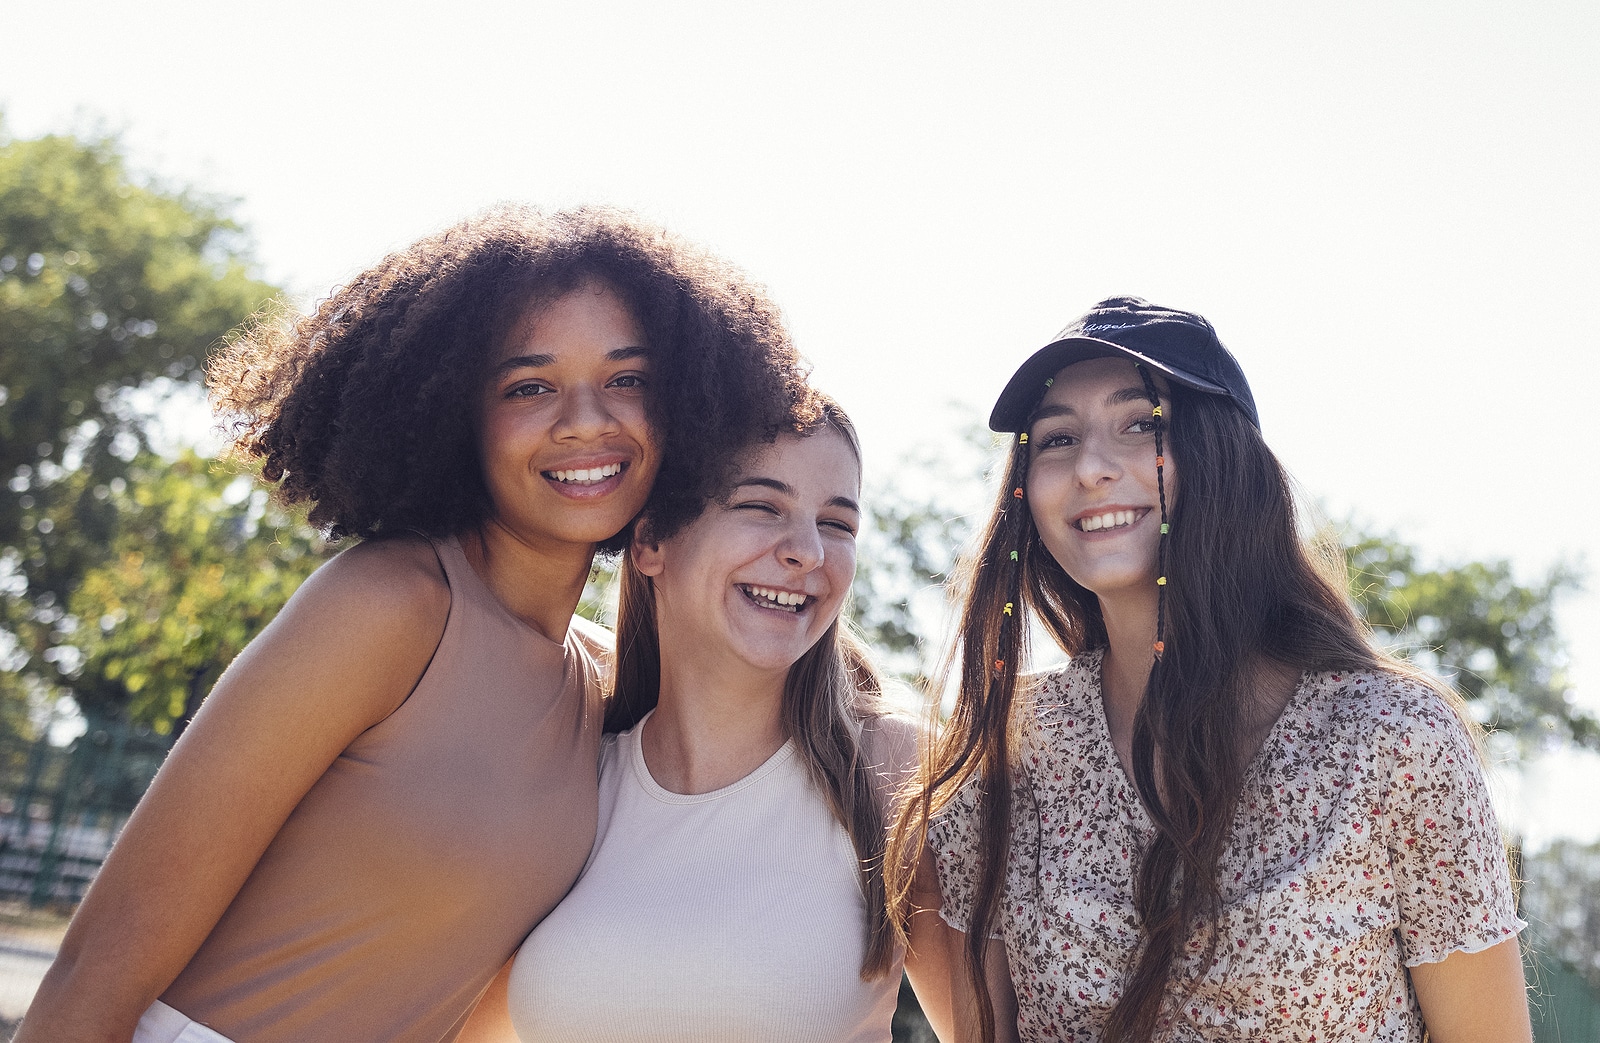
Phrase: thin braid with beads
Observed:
(1160, 422)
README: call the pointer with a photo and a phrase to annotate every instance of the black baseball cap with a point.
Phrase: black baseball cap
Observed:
(1178, 344)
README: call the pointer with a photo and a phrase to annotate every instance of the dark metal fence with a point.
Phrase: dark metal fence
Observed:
(60, 809)
(1565, 1007)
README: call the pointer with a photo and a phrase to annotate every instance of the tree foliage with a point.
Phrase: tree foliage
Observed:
(201, 561)
(1477, 627)
(911, 535)
(107, 285)
(1561, 899)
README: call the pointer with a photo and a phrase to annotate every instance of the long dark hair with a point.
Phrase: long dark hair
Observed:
(828, 695)
(1243, 593)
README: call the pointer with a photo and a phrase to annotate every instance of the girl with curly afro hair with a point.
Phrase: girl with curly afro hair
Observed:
(397, 779)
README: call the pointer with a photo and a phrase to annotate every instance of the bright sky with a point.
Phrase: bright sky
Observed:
(1390, 211)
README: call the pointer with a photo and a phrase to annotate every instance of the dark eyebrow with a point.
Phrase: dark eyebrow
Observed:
(788, 490)
(1127, 394)
(1121, 396)
(766, 483)
(540, 361)
(523, 362)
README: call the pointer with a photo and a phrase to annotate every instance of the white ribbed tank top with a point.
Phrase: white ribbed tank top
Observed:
(734, 915)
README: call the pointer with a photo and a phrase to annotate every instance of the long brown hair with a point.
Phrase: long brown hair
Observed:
(828, 695)
(1243, 593)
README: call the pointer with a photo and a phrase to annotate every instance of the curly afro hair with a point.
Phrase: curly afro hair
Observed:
(367, 409)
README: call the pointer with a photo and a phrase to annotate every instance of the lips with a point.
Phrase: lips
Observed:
(775, 599)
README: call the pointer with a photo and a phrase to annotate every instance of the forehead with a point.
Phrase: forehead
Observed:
(823, 458)
(590, 311)
(1089, 383)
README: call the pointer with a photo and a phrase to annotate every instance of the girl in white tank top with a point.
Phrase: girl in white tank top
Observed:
(734, 891)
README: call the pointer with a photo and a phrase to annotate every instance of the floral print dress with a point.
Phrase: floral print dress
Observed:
(1364, 843)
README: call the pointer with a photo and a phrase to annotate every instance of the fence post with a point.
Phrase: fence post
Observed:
(50, 858)
(22, 810)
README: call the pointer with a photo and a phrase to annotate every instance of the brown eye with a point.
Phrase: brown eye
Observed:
(1058, 440)
(530, 390)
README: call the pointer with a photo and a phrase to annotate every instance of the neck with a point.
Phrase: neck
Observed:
(711, 727)
(539, 585)
(1125, 671)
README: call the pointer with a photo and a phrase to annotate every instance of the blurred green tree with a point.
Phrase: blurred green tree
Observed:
(916, 522)
(202, 559)
(112, 291)
(1561, 900)
(1473, 624)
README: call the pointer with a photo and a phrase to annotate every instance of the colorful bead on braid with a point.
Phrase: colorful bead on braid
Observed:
(1012, 520)
(1161, 493)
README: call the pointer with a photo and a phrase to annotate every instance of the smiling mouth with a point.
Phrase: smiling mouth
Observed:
(778, 600)
(585, 475)
(1109, 520)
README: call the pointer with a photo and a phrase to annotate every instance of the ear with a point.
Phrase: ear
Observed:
(647, 556)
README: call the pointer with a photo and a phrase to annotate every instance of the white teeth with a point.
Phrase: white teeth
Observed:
(1108, 520)
(586, 474)
(779, 598)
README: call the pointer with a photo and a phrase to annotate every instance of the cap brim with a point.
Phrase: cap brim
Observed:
(1016, 404)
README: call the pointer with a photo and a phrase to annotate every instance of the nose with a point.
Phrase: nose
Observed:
(1097, 462)
(801, 548)
(585, 415)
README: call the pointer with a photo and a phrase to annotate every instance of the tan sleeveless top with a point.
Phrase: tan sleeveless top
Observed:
(413, 868)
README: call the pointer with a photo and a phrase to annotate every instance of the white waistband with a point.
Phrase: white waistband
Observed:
(162, 1024)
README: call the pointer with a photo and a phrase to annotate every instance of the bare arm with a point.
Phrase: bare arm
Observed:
(936, 964)
(933, 957)
(1002, 996)
(346, 650)
(1476, 997)
(491, 1018)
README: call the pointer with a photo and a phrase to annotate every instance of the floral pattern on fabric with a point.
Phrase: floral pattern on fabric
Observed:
(1364, 842)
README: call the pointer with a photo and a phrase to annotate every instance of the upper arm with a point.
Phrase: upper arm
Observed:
(892, 745)
(345, 652)
(964, 1003)
(490, 1021)
(933, 952)
(1475, 997)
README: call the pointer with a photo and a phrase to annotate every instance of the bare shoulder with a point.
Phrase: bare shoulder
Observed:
(892, 741)
(357, 635)
(596, 639)
(399, 579)
(892, 745)
(600, 645)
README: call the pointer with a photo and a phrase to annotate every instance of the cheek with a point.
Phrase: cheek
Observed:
(1045, 492)
(636, 418)
(844, 567)
(500, 432)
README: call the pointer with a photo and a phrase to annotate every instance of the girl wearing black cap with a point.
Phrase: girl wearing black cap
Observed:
(1229, 816)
